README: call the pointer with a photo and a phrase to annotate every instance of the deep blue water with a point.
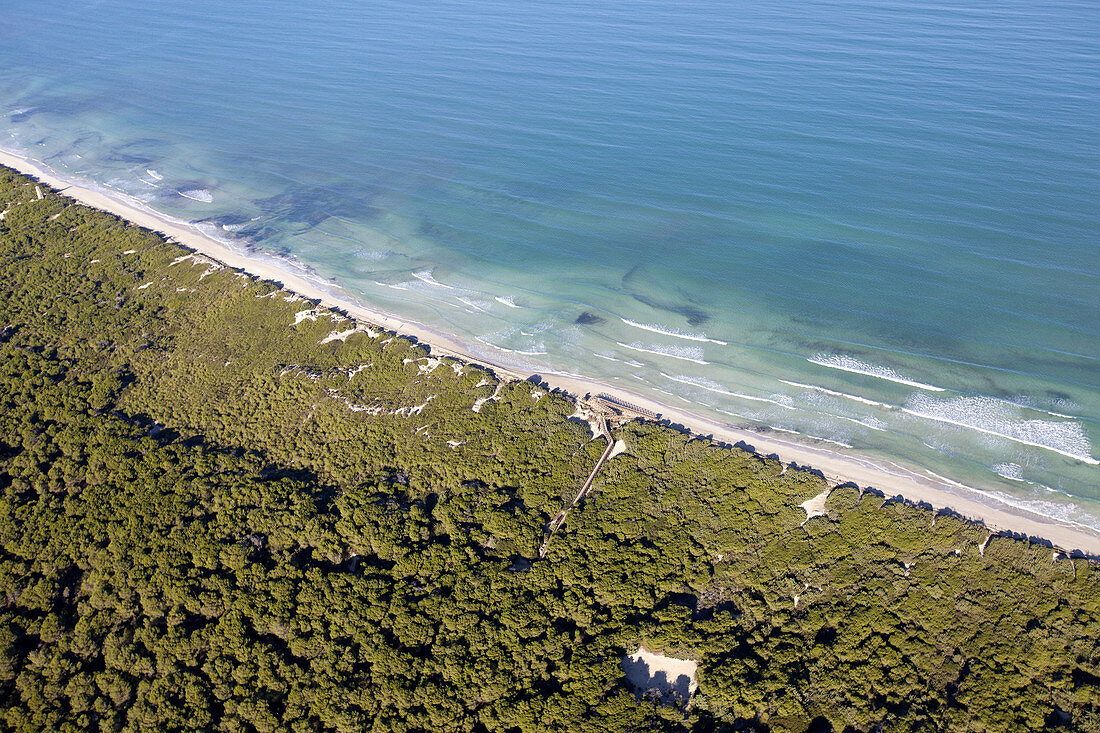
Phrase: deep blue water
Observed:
(870, 223)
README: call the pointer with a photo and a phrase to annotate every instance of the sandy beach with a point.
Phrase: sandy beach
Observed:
(997, 513)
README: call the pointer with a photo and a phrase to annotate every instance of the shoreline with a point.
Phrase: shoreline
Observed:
(892, 480)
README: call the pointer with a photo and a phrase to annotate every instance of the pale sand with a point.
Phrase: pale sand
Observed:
(889, 478)
(815, 507)
(674, 678)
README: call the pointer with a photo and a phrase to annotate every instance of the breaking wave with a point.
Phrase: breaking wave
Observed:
(989, 416)
(197, 194)
(675, 334)
(472, 304)
(716, 388)
(426, 276)
(850, 364)
(834, 393)
(507, 350)
(673, 352)
(1012, 471)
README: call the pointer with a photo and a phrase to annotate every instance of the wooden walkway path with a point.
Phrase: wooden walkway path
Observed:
(559, 518)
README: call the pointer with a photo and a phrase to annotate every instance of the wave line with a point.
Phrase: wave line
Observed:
(675, 334)
(1087, 459)
(848, 364)
(719, 390)
(661, 353)
(833, 392)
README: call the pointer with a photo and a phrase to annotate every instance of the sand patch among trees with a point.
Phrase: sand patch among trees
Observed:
(673, 680)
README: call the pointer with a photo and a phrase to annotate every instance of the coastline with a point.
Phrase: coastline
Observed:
(892, 480)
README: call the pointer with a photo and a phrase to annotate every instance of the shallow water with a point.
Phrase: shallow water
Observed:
(874, 226)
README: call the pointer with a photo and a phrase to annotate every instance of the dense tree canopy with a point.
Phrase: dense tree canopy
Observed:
(213, 514)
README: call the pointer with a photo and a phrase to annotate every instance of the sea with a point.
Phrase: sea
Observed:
(871, 225)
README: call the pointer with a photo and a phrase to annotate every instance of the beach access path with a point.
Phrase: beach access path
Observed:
(559, 519)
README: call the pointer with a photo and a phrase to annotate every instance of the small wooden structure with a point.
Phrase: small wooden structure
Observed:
(614, 407)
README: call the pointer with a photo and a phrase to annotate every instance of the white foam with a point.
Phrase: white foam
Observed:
(778, 429)
(472, 304)
(506, 300)
(828, 440)
(510, 351)
(426, 276)
(609, 358)
(1057, 511)
(154, 175)
(1012, 471)
(736, 414)
(834, 393)
(370, 254)
(387, 285)
(716, 388)
(850, 364)
(670, 332)
(1033, 404)
(198, 194)
(811, 437)
(866, 422)
(672, 352)
(762, 399)
(989, 416)
(701, 383)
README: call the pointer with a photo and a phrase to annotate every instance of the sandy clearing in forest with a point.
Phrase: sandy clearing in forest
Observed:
(675, 679)
(618, 449)
(343, 335)
(585, 414)
(1000, 513)
(815, 507)
(310, 314)
(482, 400)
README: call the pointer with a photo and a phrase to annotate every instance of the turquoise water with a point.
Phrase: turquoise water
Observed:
(871, 224)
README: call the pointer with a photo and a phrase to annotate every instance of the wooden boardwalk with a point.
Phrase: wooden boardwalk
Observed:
(607, 403)
(559, 518)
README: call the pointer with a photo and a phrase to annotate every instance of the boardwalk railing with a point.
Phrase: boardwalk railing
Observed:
(616, 403)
